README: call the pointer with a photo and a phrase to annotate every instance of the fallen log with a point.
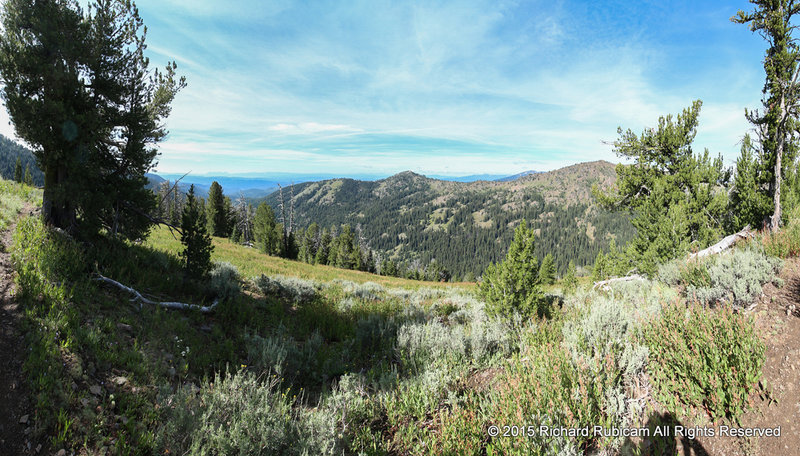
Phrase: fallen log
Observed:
(168, 304)
(724, 244)
(603, 284)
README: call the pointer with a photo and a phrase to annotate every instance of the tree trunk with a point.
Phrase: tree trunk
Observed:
(56, 209)
(775, 221)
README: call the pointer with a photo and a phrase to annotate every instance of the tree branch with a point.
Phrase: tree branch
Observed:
(168, 304)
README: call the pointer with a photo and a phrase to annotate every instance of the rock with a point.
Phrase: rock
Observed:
(38, 447)
(61, 452)
(95, 389)
(23, 419)
(205, 328)
(120, 381)
(85, 402)
(171, 372)
(124, 327)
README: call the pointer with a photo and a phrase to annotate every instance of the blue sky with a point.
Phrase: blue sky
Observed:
(451, 88)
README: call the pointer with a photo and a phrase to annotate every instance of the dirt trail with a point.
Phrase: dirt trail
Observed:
(16, 412)
(777, 319)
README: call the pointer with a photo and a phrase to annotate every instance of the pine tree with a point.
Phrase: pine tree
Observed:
(749, 201)
(324, 247)
(513, 286)
(89, 99)
(18, 170)
(570, 282)
(216, 212)
(265, 230)
(28, 177)
(677, 198)
(195, 239)
(599, 269)
(547, 270)
(777, 125)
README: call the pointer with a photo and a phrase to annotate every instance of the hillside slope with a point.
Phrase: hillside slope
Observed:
(467, 225)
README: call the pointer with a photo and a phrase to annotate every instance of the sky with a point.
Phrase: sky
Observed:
(447, 88)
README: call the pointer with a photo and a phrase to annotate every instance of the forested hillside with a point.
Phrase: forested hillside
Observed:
(9, 152)
(467, 226)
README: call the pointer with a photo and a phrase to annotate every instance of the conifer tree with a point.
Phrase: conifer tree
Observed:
(28, 177)
(265, 230)
(547, 270)
(89, 106)
(324, 247)
(570, 282)
(513, 285)
(677, 198)
(195, 239)
(749, 201)
(777, 125)
(216, 212)
(18, 170)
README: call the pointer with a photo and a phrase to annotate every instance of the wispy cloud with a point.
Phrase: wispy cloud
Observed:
(454, 87)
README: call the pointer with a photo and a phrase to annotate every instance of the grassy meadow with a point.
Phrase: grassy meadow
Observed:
(250, 262)
(300, 359)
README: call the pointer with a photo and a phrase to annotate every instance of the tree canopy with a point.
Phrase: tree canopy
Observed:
(676, 197)
(79, 90)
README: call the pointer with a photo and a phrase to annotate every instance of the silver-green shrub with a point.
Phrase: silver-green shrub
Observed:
(291, 288)
(735, 277)
(240, 414)
(224, 281)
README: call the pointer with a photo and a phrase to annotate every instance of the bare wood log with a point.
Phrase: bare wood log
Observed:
(603, 284)
(724, 244)
(168, 304)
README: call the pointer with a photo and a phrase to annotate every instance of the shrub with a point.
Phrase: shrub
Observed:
(238, 414)
(290, 288)
(735, 277)
(702, 358)
(785, 243)
(308, 362)
(544, 386)
(225, 281)
(602, 344)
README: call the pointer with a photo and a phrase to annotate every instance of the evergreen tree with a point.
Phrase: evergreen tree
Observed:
(28, 177)
(599, 269)
(570, 282)
(777, 125)
(513, 286)
(749, 201)
(236, 237)
(77, 88)
(195, 239)
(216, 212)
(677, 198)
(547, 270)
(324, 247)
(308, 245)
(345, 253)
(18, 170)
(265, 230)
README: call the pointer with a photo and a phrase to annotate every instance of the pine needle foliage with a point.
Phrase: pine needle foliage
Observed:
(513, 286)
(195, 239)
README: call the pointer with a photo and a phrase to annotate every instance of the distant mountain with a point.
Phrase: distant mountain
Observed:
(468, 225)
(517, 176)
(9, 151)
(470, 178)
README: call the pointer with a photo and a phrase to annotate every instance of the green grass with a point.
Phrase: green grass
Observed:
(252, 263)
(13, 197)
(319, 359)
